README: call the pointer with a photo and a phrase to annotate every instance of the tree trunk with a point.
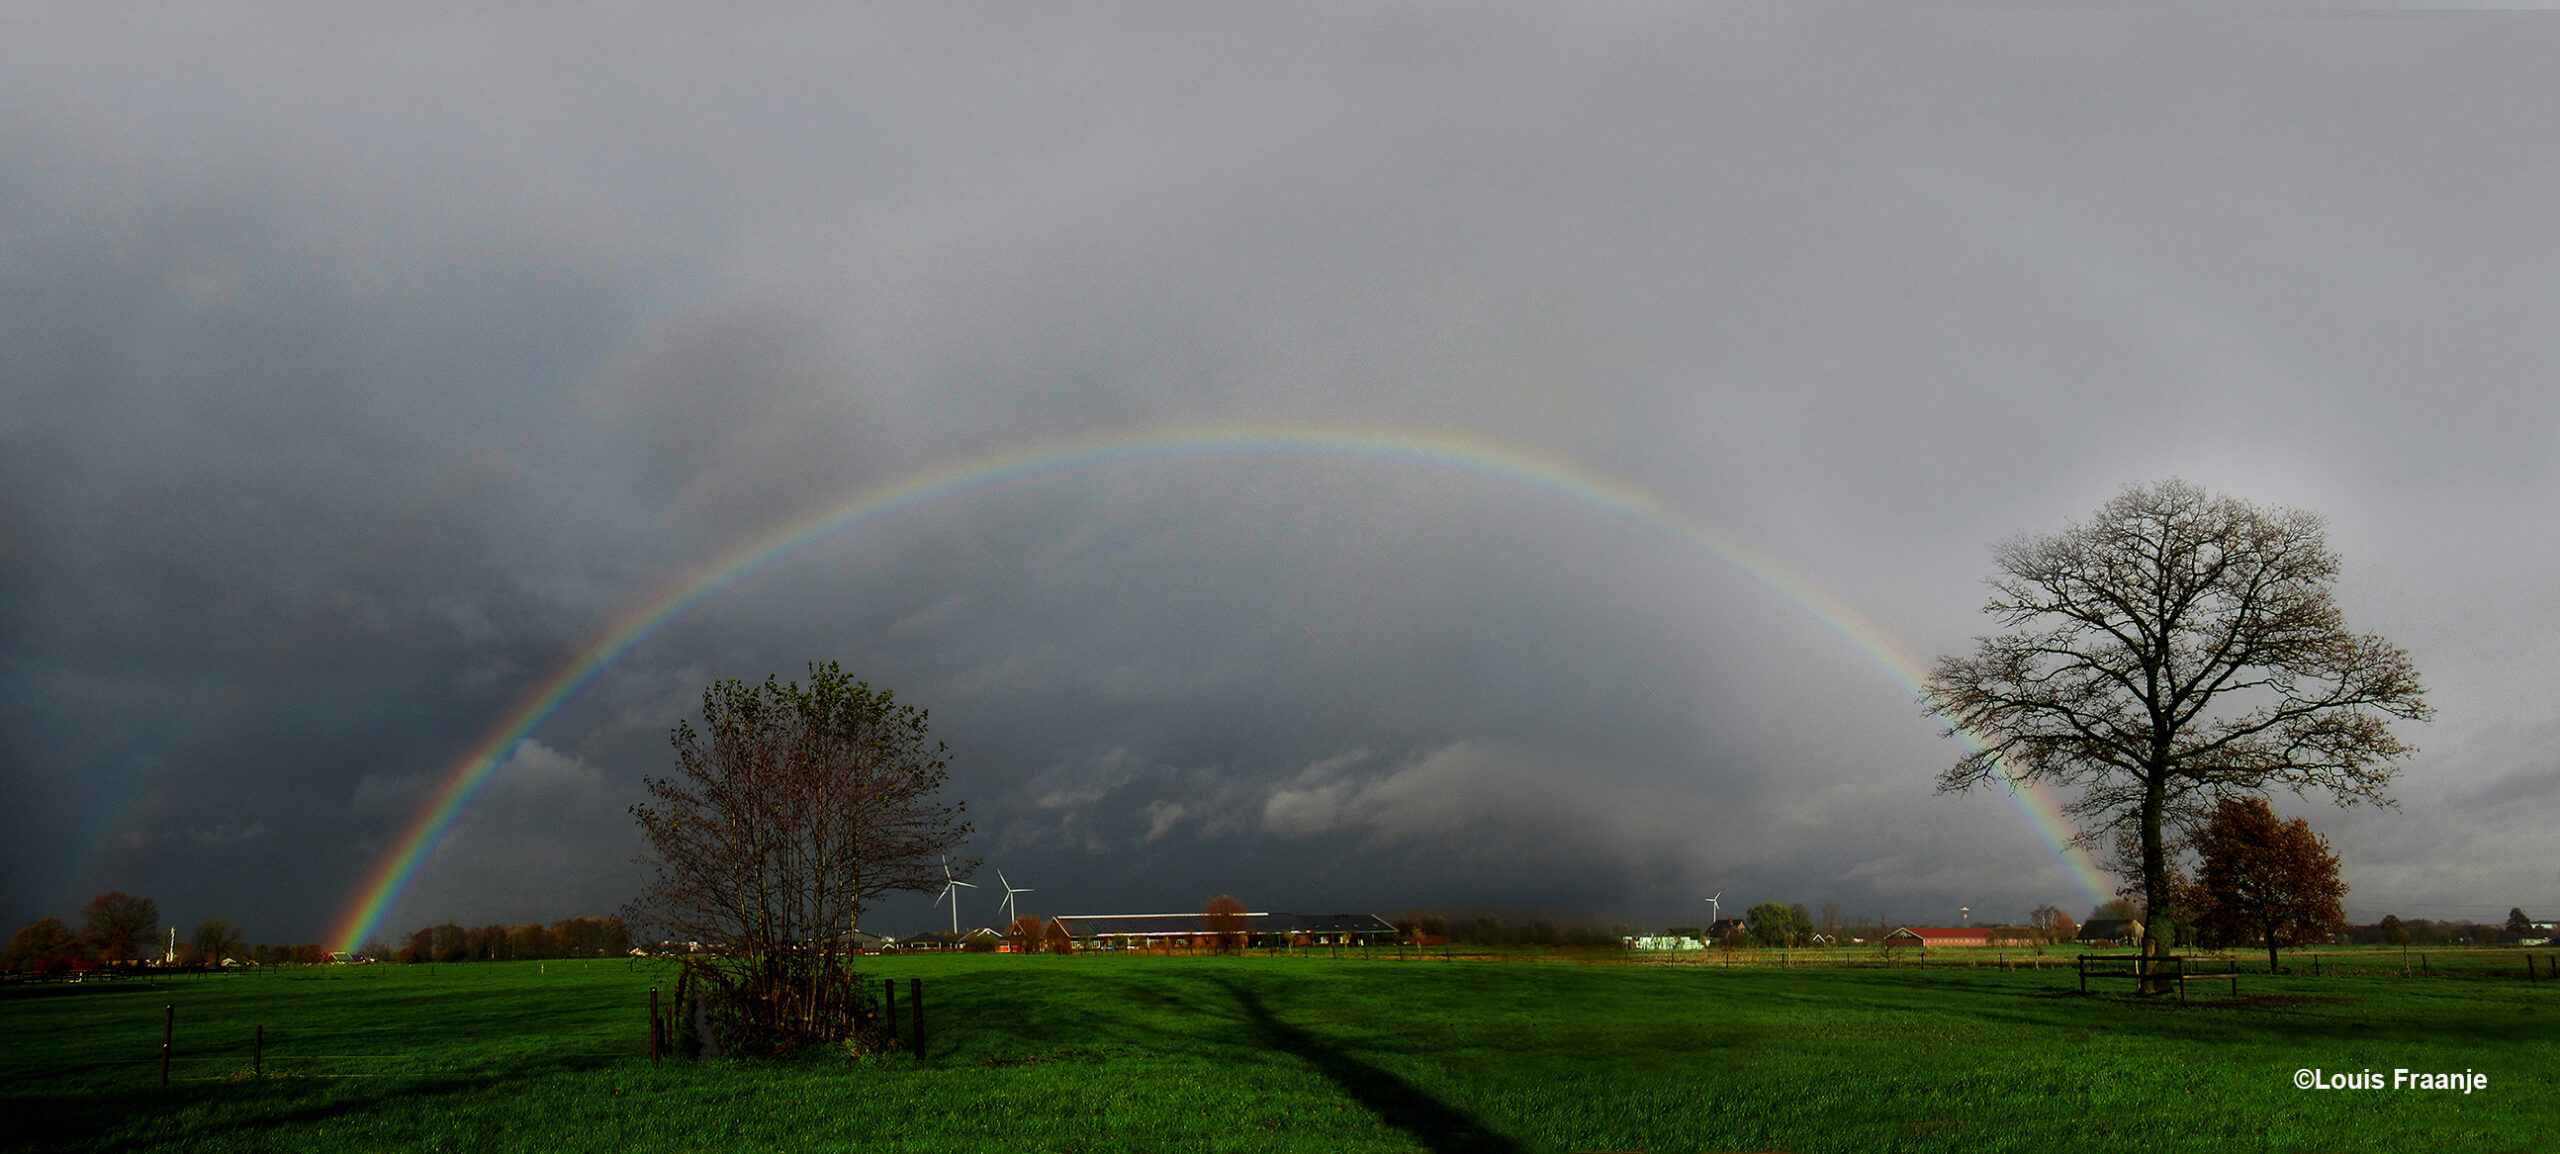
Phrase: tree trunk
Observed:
(2155, 881)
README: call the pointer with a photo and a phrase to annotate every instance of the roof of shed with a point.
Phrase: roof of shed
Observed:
(1969, 935)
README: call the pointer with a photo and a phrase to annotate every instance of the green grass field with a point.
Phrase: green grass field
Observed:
(1130, 1053)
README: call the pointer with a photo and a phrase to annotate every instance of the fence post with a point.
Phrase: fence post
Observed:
(258, 1051)
(889, 1012)
(657, 1028)
(915, 998)
(168, 1035)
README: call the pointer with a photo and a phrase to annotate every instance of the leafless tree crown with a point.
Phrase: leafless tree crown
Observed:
(791, 812)
(2178, 648)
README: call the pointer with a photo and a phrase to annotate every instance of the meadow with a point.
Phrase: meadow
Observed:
(1528, 1052)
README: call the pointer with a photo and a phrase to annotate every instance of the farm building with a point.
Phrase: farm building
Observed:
(2111, 932)
(1937, 937)
(1193, 931)
(980, 940)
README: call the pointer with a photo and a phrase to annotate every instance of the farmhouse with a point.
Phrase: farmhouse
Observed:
(1193, 931)
(1937, 937)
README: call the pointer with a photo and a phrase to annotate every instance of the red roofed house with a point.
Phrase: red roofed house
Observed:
(1931, 937)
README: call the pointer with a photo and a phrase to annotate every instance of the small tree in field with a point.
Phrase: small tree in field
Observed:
(2264, 879)
(1223, 917)
(791, 812)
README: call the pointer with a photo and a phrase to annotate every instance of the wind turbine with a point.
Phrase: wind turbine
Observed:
(1009, 890)
(951, 887)
(1715, 907)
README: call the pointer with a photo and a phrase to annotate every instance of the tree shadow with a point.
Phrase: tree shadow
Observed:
(76, 1121)
(1433, 1123)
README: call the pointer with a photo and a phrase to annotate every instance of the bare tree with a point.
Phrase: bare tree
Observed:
(119, 924)
(2265, 880)
(2177, 649)
(217, 938)
(2052, 925)
(791, 813)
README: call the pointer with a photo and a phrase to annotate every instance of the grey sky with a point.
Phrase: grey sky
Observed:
(360, 370)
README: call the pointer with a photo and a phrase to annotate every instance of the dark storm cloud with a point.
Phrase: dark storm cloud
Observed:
(285, 500)
(363, 373)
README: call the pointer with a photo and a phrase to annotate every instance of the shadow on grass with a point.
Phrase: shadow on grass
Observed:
(258, 1114)
(1433, 1123)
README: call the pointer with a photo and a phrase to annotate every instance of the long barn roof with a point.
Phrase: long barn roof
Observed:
(1946, 935)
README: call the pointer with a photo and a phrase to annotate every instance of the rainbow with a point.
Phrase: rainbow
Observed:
(1499, 461)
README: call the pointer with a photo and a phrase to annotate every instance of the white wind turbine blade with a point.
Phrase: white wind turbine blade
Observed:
(952, 885)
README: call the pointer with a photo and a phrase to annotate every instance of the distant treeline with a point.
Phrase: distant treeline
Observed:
(1488, 930)
(123, 931)
(574, 938)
